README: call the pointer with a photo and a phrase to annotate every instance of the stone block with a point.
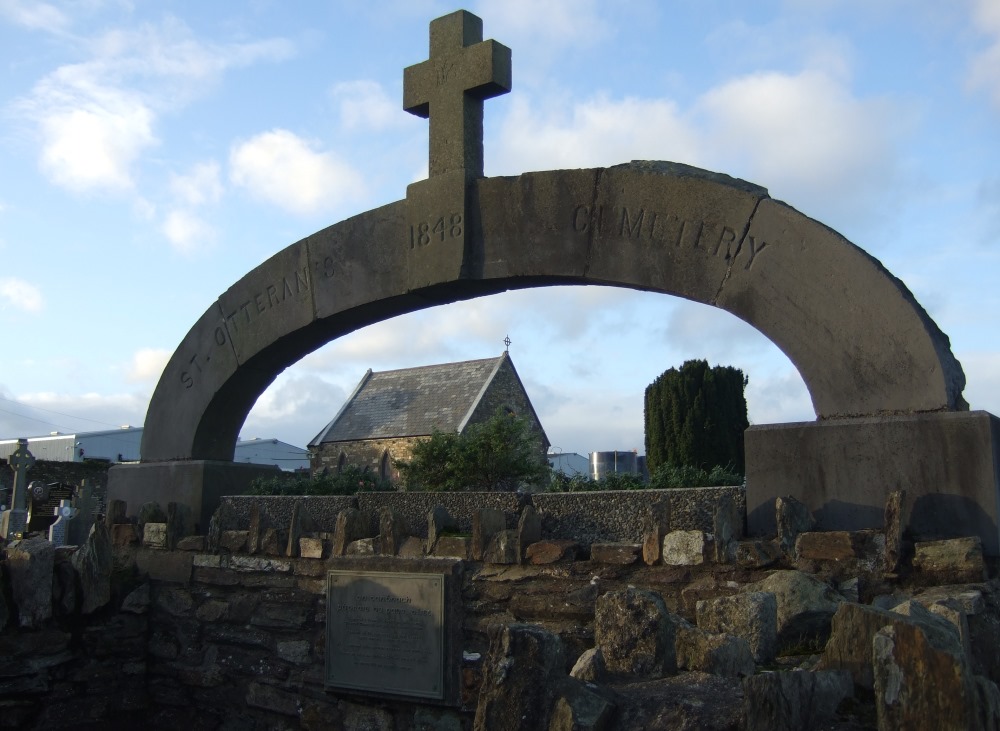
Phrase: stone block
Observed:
(895, 505)
(552, 551)
(171, 566)
(727, 528)
(921, 685)
(154, 535)
(615, 554)
(413, 547)
(485, 523)
(844, 470)
(454, 547)
(804, 609)
(529, 530)
(363, 547)
(503, 548)
(714, 653)
(273, 542)
(756, 554)
(439, 521)
(752, 616)
(655, 525)
(826, 546)
(124, 534)
(589, 667)
(953, 561)
(310, 547)
(685, 548)
(191, 543)
(234, 541)
(393, 530)
(635, 633)
(792, 517)
(29, 567)
(853, 630)
(93, 563)
(579, 706)
(520, 675)
(791, 701)
(351, 525)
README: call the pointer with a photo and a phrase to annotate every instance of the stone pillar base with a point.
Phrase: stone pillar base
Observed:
(843, 469)
(199, 484)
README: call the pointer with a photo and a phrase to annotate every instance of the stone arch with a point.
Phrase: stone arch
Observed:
(860, 341)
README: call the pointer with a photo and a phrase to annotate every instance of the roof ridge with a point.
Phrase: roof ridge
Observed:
(440, 365)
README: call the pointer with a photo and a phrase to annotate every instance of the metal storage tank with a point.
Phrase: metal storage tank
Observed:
(606, 463)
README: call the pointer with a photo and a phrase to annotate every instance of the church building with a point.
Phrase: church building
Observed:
(390, 411)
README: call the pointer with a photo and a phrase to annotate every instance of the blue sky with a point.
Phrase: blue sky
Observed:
(153, 153)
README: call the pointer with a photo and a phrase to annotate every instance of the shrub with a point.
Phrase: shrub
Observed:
(349, 481)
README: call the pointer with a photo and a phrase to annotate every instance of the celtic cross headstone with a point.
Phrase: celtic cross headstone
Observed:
(14, 521)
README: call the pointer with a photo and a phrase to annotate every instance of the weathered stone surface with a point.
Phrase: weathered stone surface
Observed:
(579, 708)
(951, 624)
(311, 547)
(439, 521)
(893, 523)
(180, 523)
(519, 679)
(351, 525)
(154, 535)
(363, 547)
(123, 534)
(273, 542)
(752, 616)
(805, 608)
(137, 601)
(413, 547)
(255, 528)
(552, 551)
(715, 653)
(655, 525)
(635, 633)
(151, 512)
(29, 567)
(616, 554)
(294, 530)
(191, 543)
(827, 546)
(529, 530)
(756, 554)
(685, 548)
(485, 523)
(115, 513)
(727, 528)
(454, 547)
(792, 701)
(392, 531)
(792, 518)
(952, 561)
(93, 565)
(234, 541)
(502, 548)
(854, 628)
(172, 566)
(921, 685)
(589, 666)
(64, 593)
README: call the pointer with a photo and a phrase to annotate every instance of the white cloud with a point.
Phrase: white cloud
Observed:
(187, 232)
(549, 22)
(147, 365)
(806, 137)
(35, 15)
(984, 69)
(96, 118)
(200, 186)
(982, 373)
(294, 407)
(365, 106)
(281, 168)
(595, 133)
(20, 295)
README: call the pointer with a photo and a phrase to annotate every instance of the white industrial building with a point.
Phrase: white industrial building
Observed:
(570, 464)
(122, 445)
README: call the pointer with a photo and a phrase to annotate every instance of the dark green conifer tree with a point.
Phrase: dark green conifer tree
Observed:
(696, 416)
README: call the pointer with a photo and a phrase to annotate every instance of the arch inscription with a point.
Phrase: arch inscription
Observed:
(861, 342)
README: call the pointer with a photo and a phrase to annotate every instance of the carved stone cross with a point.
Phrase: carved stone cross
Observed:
(20, 461)
(450, 87)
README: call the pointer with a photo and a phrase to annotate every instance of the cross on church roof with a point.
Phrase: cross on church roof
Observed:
(450, 87)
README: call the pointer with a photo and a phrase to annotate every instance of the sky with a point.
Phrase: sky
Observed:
(151, 154)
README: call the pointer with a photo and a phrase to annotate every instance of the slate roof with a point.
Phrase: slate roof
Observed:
(411, 401)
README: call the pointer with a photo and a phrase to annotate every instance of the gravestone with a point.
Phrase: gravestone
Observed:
(85, 505)
(14, 521)
(885, 386)
(59, 531)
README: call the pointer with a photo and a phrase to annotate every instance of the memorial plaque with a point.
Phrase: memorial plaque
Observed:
(385, 632)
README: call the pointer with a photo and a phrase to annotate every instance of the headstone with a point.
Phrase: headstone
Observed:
(85, 505)
(385, 633)
(14, 521)
(792, 517)
(529, 530)
(655, 525)
(439, 520)
(59, 531)
(392, 531)
(727, 527)
(485, 523)
(352, 525)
